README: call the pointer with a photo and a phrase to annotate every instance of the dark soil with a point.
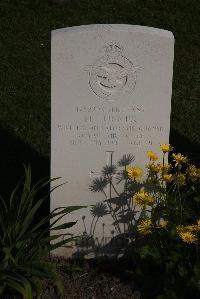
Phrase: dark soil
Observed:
(94, 280)
(91, 280)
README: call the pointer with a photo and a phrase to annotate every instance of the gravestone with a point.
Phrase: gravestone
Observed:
(111, 95)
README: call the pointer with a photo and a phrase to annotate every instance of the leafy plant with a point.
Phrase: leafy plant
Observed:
(169, 228)
(25, 243)
(157, 209)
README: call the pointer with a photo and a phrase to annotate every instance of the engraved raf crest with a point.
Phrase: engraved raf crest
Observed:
(113, 74)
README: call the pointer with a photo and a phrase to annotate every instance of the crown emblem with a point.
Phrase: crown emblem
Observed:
(113, 48)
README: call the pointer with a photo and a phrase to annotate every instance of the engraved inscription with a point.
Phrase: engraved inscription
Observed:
(113, 126)
(113, 74)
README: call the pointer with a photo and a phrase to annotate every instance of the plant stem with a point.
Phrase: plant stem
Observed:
(92, 225)
(95, 225)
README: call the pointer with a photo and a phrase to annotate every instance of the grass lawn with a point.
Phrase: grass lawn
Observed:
(25, 27)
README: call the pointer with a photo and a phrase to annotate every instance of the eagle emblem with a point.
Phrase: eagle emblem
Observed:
(113, 74)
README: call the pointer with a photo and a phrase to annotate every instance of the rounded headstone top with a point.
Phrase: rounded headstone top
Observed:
(115, 27)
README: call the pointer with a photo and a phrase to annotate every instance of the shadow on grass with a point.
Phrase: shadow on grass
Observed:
(185, 146)
(14, 153)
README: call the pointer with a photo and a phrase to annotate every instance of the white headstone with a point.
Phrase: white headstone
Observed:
(111, 95)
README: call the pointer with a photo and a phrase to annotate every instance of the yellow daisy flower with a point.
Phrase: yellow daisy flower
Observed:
(143, 198)
(167, 178)
(191, 228)
(163, 223)
(134, 172)
(192, 172)
(152, 167)
(187, 228)
(144, 227)
(179, 159)
(181, 229)
(165, 147)
(164, 168)
(152, 156)
(188, 237)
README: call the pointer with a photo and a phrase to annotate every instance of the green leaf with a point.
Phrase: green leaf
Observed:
(21, 284)
(23, 245)
(29, 218)
(67, 210)
(61, 244)
(64, 225)
(63, 213)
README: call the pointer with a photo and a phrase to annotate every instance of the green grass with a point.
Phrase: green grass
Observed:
(25, 27)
